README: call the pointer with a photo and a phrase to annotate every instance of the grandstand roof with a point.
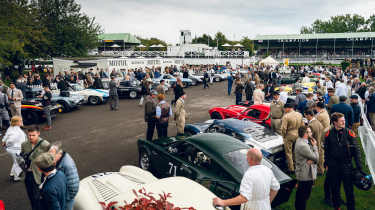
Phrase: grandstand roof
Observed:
(317, 36)
(126, 37)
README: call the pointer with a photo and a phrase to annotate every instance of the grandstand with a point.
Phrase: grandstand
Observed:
(317, 47)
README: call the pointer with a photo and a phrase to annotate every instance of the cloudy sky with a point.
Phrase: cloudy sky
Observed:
(235, 18)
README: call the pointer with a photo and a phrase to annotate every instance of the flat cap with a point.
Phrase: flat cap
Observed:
(288, 105)
(331, 89)
(354, 97)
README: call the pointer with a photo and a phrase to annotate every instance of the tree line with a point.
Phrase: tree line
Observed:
(341, 24)
(43, 29)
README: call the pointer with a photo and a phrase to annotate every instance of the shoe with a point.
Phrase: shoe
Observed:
(16, 179)
(47, 128)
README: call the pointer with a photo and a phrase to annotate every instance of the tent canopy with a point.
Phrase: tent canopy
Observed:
(269, 61)
(238, 45)
(226, 45)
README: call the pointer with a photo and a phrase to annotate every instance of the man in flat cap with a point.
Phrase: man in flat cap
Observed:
(277, 112)
(300, 98)
(290, 123)
(344, 109)
(53, 186)
(332, 99)
(356, 113)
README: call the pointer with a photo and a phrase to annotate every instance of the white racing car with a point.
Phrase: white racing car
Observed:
(91, 96)
(120, 187)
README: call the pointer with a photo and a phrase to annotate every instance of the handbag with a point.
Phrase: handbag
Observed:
(23, 160)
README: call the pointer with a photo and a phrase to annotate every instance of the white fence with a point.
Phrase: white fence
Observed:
(367, 136)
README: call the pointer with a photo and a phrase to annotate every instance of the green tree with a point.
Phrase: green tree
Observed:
(338, 24)
(248, 45)
(21, 33)
(152, 41)
(70, 32)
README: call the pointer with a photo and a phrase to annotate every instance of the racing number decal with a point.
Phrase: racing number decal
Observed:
(172, 168)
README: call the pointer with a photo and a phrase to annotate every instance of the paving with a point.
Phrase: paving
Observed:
(100, 140)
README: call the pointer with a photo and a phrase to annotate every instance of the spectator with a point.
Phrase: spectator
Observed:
(356, 113)
(258, 186)
(258, 95)
(161, 87)
(53, 187)
(30, 150)
(332, 99)
(15, 97)
(178, 90)
(238, 90)
(64, 163)
(163, 112)
(306, 156)
(340, 148)
(230, 83)
(150, 114)
(300, 99)
(12, 141)
(345, 109)
(371, 106)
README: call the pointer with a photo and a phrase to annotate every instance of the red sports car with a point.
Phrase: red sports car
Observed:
(257, 113)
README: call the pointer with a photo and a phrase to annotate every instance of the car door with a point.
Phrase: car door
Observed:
(253, 115)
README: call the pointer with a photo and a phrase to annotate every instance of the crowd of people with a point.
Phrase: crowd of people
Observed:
(319, 130)
(319, 127)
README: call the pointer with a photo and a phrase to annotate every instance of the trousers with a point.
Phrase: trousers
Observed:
(238, 98)
(180, 124)
(113, 102)
(69, 204)
(303, 194)
(337, 174)
(15, 110)
(47, 113)
(288, 146)
(16, 169)
(162, 129)
(151, 124)
(229, 88)
(33, 192)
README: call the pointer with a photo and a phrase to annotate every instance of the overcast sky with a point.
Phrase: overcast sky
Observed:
(235, 18)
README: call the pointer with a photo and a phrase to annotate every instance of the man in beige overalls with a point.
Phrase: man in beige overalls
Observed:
(290, 124)
(277, 112)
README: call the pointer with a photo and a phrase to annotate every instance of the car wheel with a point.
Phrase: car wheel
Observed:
(65, 106)
(217, 79)
(216, 116)
(30, 118)
(184, 85)
(132, 94)
(145, 160)
(194, 83)
(94, 100)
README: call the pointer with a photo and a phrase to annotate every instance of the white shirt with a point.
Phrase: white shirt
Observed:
(255, 187)
(283, 96)
(14, 137)
(329, 84)
(341, 90)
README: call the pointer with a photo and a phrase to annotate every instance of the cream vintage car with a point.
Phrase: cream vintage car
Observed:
(118, 187)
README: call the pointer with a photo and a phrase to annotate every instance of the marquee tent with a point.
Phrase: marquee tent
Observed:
(269, 61)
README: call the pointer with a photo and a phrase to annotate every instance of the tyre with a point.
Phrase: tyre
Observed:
(94, 100)
(133, 94)
(216, 116)
(65, 106)
(194, 83)
(30, 117)
(217, 79)
(184, 85)
(145, 160)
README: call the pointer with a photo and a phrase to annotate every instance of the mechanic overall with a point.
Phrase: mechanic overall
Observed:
(150, 114)
(290, 124)
(4, 114)
(340, 148)
(277, 112)
(30, 150)
(317, 133)
(179, 115)
(46, 102)
(163, 112)
(15, 97)
(113, 95)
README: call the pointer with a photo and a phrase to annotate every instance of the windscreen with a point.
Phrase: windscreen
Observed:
(239, 161)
